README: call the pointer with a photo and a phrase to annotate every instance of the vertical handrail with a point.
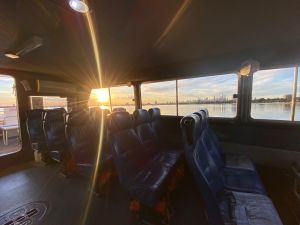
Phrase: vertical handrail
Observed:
(109, 99)
(176, 97)
(294, 96)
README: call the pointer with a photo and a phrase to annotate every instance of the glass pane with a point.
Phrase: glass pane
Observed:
(123, 97)
(99, 97)
(161, 95)
(214, 93)
(272, 94)
(297, 110)
(9, 119)
(48, 102)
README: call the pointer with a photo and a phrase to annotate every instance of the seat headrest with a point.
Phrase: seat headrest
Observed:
(141, 116)
(119, 109)
(191, 128)
(120, 121)
(78, 117)
(97, 112)
(154, 114)
(36, 114)
(55, 114)
(203, 113)
(206, 112)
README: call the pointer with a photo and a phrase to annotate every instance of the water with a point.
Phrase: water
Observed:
(271, 111)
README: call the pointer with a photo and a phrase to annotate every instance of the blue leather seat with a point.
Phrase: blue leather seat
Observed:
(223, 206)
(35, 130)
(234, 179)
(230, 160)
(167, 141)
(154, 149)
(80, 140)
(145, 179)
(54, 130)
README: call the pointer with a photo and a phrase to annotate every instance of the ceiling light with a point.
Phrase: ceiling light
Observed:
(79, 6)
(12, 55)
(25, 47)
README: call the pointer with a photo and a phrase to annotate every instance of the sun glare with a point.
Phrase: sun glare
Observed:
(101, 95)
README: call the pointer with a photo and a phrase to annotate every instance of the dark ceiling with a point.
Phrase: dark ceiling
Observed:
(149, 39)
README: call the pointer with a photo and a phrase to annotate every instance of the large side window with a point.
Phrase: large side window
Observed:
(100, 98)
(214, 93)
(118, 97)
(161, 95)
(272, 94)
(48, 102)
(123, 97)
(9, 119)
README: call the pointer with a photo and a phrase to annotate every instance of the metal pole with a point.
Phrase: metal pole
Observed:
(109, 99)
(177, 97)
(293, 105)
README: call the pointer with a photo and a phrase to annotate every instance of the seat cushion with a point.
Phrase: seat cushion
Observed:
(170, 159)
(150, 183)
(239, 162)
(247, 209)
(243, 181)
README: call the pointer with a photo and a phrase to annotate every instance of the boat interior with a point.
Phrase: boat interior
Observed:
(126, 112)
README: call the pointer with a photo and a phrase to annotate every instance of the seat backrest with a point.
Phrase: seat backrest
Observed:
(212, 134)
(212, 147)
(35, 131)
(119, 109)
(202, 166)
(54, 130)
(80, 137)
(156, 123)
(145, 131)
(127, 149)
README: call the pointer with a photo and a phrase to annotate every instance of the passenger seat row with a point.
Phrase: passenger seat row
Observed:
(145, 167)
(231, 187)
(70, 136)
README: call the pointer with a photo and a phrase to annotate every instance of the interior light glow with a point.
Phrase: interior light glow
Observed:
(12, 55)
(79, 6)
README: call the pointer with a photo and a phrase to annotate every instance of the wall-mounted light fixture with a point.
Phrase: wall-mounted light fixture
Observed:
(249, 67)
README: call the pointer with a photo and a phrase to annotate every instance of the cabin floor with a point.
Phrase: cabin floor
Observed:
(67, 198)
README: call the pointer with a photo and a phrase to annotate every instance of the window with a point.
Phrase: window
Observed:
(9, 119)
(122, 96)
(161, 95)
(214, 93)
(272, 94)
(99, 97)
(48, 102)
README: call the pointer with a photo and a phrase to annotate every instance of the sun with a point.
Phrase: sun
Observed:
(101, 95)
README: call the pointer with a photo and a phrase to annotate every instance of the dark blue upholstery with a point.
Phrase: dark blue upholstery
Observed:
(168, 142)
(154, 149)
(230, 160)
(234, 179)
(35, 131)
(145, 179)
(54, 130)
(223, 206)
(83, 133)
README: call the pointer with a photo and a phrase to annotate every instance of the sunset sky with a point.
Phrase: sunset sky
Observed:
(266, 84)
